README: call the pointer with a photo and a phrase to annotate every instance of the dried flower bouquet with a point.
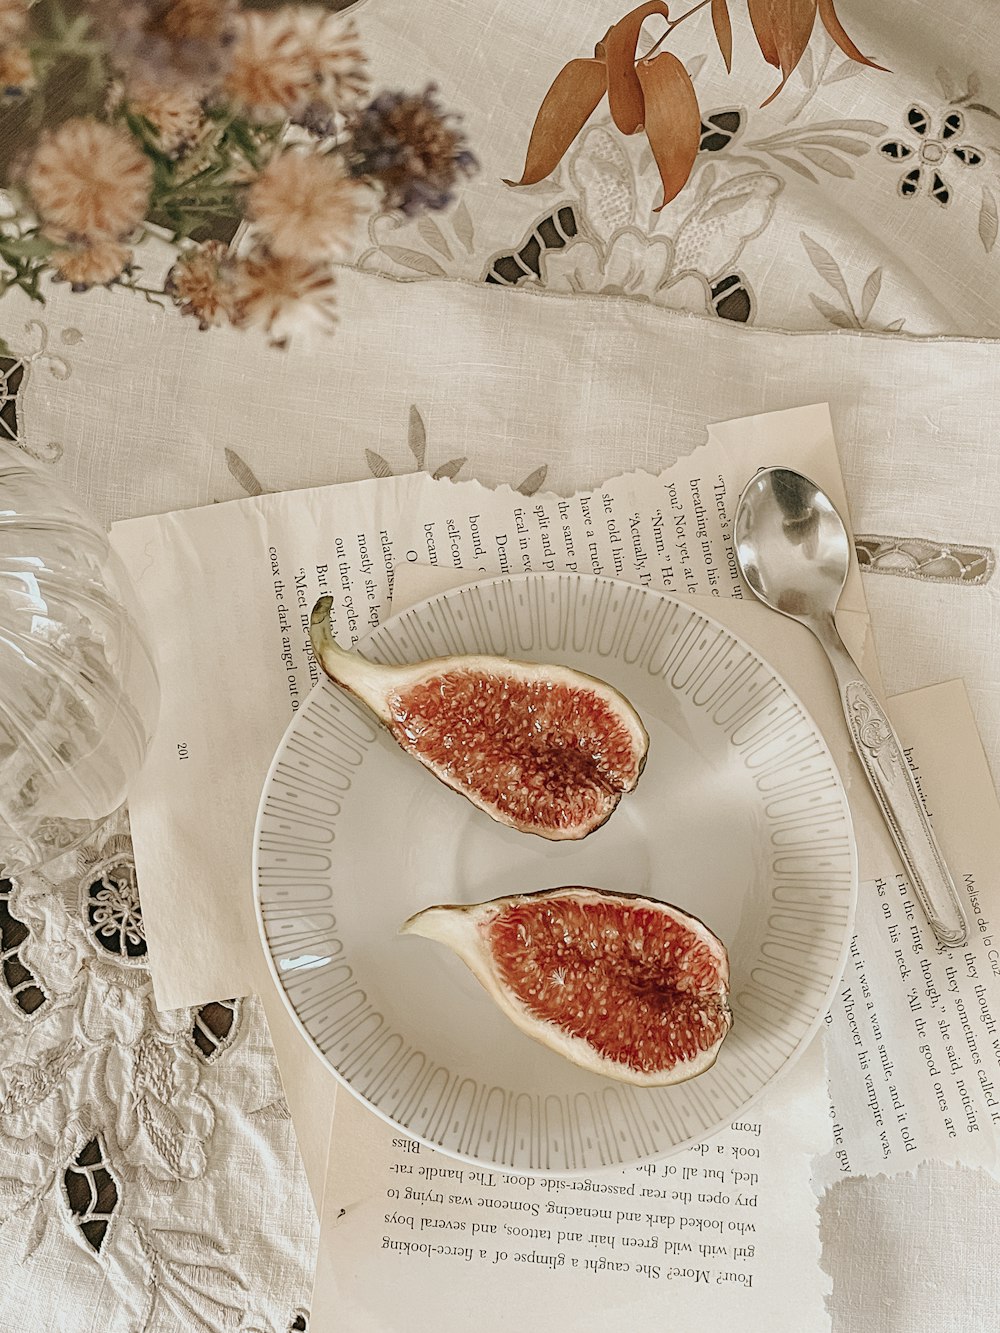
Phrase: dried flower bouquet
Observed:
(196, 116)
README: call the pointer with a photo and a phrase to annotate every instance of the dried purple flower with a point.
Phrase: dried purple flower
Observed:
(318, 119)
(407, 144)
(169, 41)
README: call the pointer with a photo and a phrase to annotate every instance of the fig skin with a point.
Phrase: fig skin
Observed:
(376, 686)
(465, 928)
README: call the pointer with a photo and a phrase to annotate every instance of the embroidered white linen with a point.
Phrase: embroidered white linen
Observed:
(795, 220)
(618, 419)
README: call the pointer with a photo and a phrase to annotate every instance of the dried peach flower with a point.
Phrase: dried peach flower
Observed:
(90, 180)
(286, 61)
(174, 111)
(91, 265)
(305, 204)
(282, 295)
(17, 74)
(201, 284)
(334, 50)
(13, 20)
(269, 74)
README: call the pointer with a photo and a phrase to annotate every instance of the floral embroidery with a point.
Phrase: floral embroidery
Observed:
(598, 244)
(116, 912)
(215, 1027)
(629, 264)
(918, 558)
(15, 374)
(19, 981)
(845, 313)
(933, 152)
(11, 379)
(92, 1193)
(163, 1123)
(110, 897)
(379, 466)
(243, 473)
(826, 146)
(551, 232)
(417, 442)
(187, 1280)
(597, 240)
(107, 1103)
(719, 128)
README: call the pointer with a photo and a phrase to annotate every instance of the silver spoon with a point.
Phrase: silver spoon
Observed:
(793, 550)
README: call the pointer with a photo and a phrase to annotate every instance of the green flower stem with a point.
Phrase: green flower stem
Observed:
(27, 280)
(210, 145)
(151, 295)
(195, 199)
(50, 48)
(145, 291)
(70, 37)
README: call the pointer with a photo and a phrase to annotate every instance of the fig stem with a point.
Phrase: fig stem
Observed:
(366, 680)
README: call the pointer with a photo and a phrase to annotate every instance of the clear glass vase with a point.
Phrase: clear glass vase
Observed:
(79, 693)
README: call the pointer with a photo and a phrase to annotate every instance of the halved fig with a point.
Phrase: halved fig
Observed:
(621, 985)
(544, 749)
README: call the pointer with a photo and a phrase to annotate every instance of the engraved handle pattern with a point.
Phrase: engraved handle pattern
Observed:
(896, 791)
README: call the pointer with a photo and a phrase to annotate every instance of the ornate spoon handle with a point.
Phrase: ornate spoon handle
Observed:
(888, 772)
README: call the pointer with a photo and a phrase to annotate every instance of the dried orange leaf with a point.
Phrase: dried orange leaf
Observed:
(835, 28)
(624, 91)
(794, 21)
(783, 29)
(673, 121)
(763, 29)
(566, 108)
(723, 31)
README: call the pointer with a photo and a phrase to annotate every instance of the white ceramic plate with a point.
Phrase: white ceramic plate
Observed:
(739, 818)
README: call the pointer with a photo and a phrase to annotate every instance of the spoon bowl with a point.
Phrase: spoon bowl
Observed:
(794, 551)
(783, 511)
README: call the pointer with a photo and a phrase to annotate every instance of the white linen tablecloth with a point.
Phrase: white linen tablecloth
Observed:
(148, 1172)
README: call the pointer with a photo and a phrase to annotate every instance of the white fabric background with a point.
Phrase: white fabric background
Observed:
(135, 409)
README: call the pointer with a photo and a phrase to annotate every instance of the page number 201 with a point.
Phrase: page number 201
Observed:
(182, 750)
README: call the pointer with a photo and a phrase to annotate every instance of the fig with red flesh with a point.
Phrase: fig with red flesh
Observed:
(624, 986)
(544, 749)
